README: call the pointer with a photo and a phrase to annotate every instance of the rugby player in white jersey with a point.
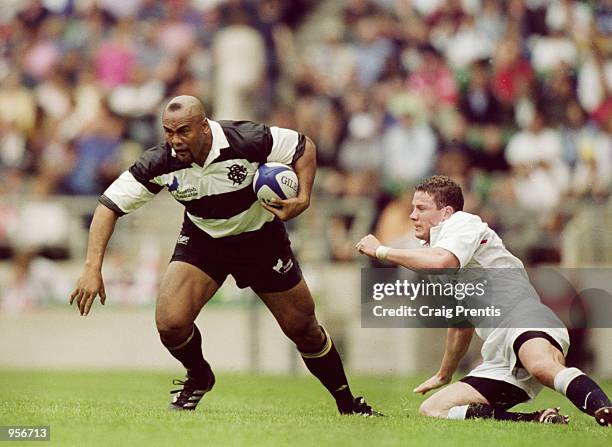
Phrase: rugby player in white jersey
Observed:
(516, 361)
(208, 166)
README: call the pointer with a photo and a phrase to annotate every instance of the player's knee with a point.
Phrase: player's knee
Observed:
(541, 371)
(298, 329)
(171, 330)
(305, 332)
(430, 409)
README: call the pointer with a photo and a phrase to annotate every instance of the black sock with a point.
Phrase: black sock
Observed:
(483, 411)
(586, 395)
(326, 365)
(189, 353)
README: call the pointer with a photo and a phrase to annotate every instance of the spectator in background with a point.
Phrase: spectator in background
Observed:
(371, 49)
(433, 80)
(17, 103)
(540, 174)
(408, 145)
(175, 35)
(42, 54)
(490, 20)
(137, 102)
(116, 56)
(13, 157)
(239, 55)
(269, 25)
(332, 62)
(572, 18)
(96, 155)
(454, 152)
(576, 136)
(548, 52)
(321, 115)
(491, 159)
(557, 93)
(595, 78)
(603, 143)
(54, 95)
(478, 103)
(360, 155)
(467, 44)
(603, 17)
(512, 74)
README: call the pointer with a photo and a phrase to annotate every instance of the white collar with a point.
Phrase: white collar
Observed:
(219, 141)
(434, 232)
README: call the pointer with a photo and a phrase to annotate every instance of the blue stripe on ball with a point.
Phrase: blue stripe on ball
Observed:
(267, 176)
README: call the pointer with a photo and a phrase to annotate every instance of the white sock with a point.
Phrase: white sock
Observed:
(563, 379)
(458, 412)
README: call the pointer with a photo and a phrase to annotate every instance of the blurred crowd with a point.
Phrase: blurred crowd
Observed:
(82, 81)
(510, 98)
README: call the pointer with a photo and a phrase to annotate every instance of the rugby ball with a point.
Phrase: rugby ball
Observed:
(275, 180)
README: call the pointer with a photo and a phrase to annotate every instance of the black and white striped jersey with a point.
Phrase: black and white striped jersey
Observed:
(218, 197)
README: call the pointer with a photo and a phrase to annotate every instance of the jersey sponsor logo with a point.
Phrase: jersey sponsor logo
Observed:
(237, 173)
(281, 267)
(181, 194)
(183, 240)
(186, 193)
(484, 241)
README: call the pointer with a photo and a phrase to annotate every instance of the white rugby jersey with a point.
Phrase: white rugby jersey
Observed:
(478, 247)
(473, 243)
(218, 197)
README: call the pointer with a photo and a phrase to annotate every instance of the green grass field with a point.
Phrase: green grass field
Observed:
(129, 409)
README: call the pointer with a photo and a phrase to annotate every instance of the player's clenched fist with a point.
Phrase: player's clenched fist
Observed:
(368, 245)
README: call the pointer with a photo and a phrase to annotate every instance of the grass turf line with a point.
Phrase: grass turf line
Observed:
(129, 408)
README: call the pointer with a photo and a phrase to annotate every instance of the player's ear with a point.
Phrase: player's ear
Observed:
(448, 211)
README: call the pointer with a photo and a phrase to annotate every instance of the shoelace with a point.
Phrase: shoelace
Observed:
(187, 385)
(362, 406)
(552, 416)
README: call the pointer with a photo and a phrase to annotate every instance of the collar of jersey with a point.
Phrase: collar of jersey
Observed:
(434, 232)
(219, 141)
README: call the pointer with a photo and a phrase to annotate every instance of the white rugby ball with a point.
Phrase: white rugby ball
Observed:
(275, 180)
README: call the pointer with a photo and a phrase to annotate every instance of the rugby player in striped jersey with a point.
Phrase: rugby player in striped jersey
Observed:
(208, 167)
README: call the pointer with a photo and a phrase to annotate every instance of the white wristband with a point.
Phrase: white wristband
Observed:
(382, 251)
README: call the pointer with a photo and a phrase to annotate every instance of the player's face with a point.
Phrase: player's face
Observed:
(425, 214)
(187, 133)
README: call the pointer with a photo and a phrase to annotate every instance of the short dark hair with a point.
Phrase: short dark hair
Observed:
(174, 106)
(444, 191)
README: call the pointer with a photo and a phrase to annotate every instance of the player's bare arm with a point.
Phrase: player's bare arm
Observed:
(418, 259)
(457, 343)
(90, 284)
(305, 168)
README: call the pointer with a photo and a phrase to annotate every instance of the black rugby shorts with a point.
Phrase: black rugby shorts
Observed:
(260, 259)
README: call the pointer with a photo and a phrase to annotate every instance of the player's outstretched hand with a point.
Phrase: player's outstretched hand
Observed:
(286, 209)
(368, 245)
(89, 285)
(432, 383)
